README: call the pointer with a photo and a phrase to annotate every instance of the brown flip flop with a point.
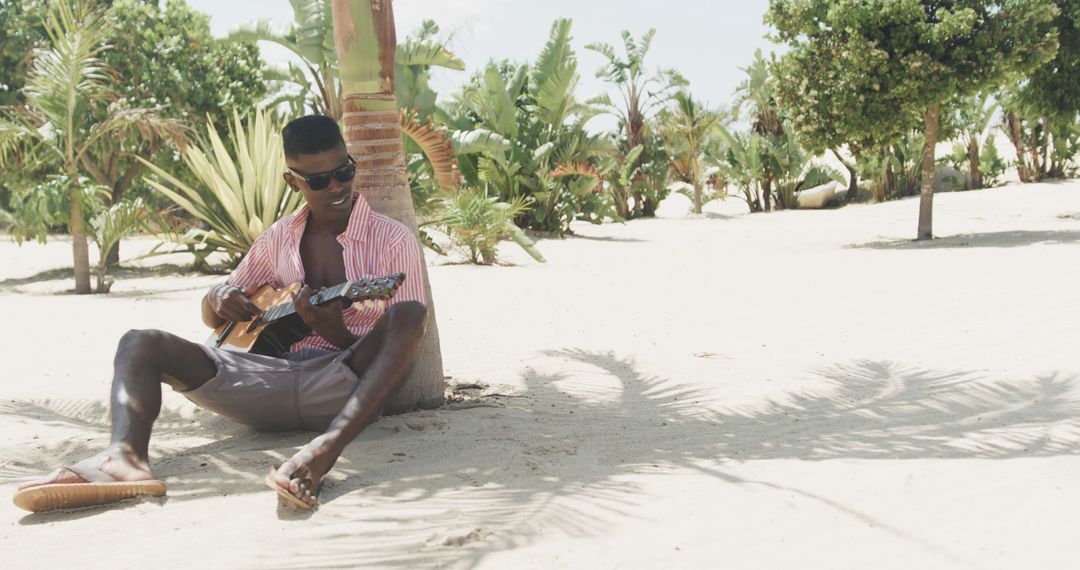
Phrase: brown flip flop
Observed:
(285, 494)
(99, 489)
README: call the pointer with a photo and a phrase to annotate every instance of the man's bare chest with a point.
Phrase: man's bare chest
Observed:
(324, 264)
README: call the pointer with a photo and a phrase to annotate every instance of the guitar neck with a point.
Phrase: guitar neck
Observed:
(287, 308)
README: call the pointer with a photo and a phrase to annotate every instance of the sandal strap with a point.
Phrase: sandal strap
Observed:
(90, 476)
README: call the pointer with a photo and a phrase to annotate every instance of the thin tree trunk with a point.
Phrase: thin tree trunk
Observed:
(365, 37)
(1035, 171)
(973, 163)
(80, 249)
(1045, 168)
(766, 194)
(1017, 137)
(926, 199)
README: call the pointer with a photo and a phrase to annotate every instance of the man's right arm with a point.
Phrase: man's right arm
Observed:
(224, 303)
(229, 301)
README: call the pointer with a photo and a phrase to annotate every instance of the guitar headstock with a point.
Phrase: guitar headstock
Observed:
(373, 288)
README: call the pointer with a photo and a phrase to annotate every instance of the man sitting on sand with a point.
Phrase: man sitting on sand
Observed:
(335, 381)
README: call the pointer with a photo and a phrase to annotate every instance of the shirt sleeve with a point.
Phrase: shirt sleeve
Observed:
(257, 268)
(406, 257)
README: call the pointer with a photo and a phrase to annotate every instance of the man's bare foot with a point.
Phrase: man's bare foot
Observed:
(302, 474)
(117, 462)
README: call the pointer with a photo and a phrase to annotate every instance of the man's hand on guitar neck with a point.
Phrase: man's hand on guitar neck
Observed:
(231, 303)
(327, 321)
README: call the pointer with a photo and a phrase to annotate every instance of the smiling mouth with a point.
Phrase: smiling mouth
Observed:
(339, 201)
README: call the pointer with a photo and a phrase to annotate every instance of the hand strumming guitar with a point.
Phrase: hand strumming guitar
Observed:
(327, 322)
(232, 304)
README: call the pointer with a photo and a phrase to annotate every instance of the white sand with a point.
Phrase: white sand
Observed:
(798, 389)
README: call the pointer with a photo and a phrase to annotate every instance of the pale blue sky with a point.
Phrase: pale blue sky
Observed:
(707, 40)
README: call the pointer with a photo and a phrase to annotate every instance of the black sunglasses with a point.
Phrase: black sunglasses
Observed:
(321, 181)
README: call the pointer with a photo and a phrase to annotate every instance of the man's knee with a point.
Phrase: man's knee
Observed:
(408, 316)
(141, 344)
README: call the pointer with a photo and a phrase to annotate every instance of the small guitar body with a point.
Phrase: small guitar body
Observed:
(279, 327)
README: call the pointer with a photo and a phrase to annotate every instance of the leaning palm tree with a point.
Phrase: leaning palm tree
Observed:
(366, 39)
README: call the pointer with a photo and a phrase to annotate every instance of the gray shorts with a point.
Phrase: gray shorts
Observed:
(303, 391)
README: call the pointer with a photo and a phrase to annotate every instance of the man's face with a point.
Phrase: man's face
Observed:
(333, 201)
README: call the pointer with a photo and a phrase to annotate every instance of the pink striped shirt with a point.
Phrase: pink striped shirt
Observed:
(373, 245)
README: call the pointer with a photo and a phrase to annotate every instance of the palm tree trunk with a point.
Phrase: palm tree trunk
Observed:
(80, 249)
(365, 37)
(1045, 169)
(1034, 171)
(973, 162)
(926, 200)
(1017, 137)
(766, 194)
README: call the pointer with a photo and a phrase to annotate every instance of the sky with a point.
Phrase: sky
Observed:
(708, 41)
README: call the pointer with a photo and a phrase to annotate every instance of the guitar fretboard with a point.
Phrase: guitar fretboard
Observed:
(288, 308)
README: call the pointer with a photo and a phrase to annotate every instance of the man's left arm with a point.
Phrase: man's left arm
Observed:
(406, 257)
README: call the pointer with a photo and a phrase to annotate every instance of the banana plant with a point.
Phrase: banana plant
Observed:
(543, 150)
(742, 162)
(793, 169)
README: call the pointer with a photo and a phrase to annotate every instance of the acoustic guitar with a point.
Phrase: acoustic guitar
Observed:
(279, 326)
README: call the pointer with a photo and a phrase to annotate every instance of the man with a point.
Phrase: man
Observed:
(334, 381)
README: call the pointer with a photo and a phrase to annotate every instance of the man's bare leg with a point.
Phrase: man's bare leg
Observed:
(382, 361)
(144, 359)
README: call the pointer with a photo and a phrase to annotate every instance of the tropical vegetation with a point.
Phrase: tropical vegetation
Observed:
(97, 124)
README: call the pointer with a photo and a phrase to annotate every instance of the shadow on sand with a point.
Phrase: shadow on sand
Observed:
(544, 460)
(1018, 238)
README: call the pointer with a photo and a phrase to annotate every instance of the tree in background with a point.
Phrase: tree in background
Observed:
(366, 39)
(974, 116)
(520, 132)
(642, 95)
(66, 88)
(156, 56)
(23, 31)
(864, 72)
(689, 130)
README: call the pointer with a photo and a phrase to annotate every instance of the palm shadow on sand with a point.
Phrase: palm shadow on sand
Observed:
(532, 466)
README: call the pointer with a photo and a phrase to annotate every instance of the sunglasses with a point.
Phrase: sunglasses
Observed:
(321, 181)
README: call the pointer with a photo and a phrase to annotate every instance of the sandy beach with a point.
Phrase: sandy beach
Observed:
(801, 389)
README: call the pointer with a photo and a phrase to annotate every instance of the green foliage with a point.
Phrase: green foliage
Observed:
(991, 166)
(689, 131)
(21, 22)
(742, 163)
(895, 169)
(861, 72)
(114, 222)
(642, 95)
(792, 170)
(1065, 136)
(39, 210)
(1053, 89)
(520, 132)
(239, 194)
(476, 222)
(169, 60)
(43, 208)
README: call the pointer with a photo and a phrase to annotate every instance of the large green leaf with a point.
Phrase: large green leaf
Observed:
(240, 193)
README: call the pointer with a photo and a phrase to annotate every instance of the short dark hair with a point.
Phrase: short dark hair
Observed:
(311, 135)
